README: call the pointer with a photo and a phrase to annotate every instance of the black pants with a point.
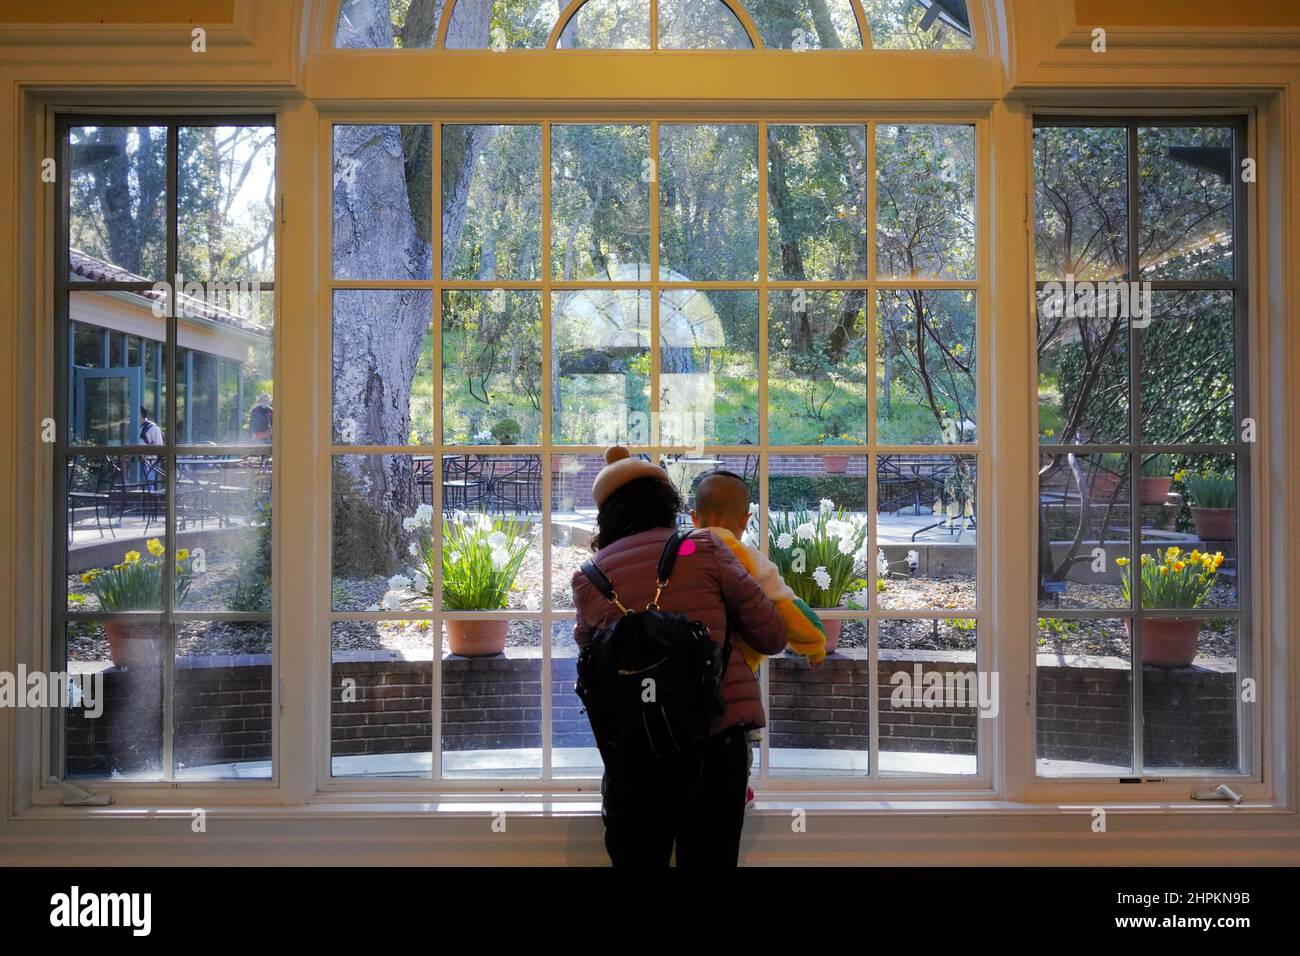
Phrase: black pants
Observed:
(695, 799)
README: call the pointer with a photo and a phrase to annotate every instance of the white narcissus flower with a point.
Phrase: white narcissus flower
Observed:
(398, 581)
(827, 506)
(484, 523)
(497, 539)
(499, 558)
(913, 561)
(784, 540)
(806, 531)
(420, 582)
(413, 550)
(822, 577)
(753, 507)
(882, 563)
(392, 601)
(747, 538)
(846, 546)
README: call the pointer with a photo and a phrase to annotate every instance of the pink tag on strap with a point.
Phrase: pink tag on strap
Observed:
(686, 547)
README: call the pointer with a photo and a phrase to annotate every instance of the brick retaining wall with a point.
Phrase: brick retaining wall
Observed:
(223, 709)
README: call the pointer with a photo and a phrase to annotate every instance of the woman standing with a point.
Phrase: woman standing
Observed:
(694, 799)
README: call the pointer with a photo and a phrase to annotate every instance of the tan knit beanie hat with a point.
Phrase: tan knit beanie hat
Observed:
(620, 468)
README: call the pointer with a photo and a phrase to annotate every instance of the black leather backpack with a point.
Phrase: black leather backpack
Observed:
(651, 683)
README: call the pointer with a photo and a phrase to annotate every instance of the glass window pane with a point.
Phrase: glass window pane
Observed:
(708, 196)
(925, 202)
(116, 504)
(817, 380)
(600, 202)
(926, 520)
(491, 551)
(1185, 202)
(805, 24)
(382, 507)
(223, 514)
(1084, 530)
(383, 184)
(1081, 202)
(708, 367)
(924, 25)
(573, 748)
(226, 190)
(1198, 521)
(117, 731)
(1190, 712)
(492, 367)
(819, 722)
(223, 700)
(501, 24)
(601, 363)
(383, 367)
(573, 522)
(608, 25)
(925, 367)
(491, 699)
(226, 364)
(1084, 678)
(107, 400)
(381, 699)
(385, 26)
(491, 202)
(700, 25)
(933, 700)
(1188, 368)
(1083, 370)
(817, 202)
(117, 213)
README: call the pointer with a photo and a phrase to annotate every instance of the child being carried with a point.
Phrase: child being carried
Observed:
(722, 506)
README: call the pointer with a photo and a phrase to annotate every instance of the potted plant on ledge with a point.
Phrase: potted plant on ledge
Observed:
(1214, 506)
(1156, 480)
(823, 557)
(137, 585)
(1172, 580)
(481, 556)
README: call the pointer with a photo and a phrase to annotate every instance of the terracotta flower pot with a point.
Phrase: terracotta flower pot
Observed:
(1155, 490)
(135, 645)
(477, 638)
(833, 629)
(1215, 524)
(1168, 641)
(1104, 485)
(836, 464)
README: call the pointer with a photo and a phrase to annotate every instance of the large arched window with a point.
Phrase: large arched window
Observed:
(657, 24)
(795, 296)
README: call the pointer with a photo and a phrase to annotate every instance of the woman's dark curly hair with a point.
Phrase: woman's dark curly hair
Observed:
(641, 504)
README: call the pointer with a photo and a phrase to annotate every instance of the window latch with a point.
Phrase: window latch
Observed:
(1221, 792)
(77, 797)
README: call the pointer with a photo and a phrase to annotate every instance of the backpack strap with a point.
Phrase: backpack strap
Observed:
(601, 583)
(667, 558)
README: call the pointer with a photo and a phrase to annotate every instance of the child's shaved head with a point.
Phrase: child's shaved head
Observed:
(722, 501)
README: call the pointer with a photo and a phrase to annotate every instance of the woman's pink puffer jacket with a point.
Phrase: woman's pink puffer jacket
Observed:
(709, 586)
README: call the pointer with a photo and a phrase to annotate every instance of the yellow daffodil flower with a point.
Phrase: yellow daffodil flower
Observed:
(182, 554)
(1122, 562)
(131, 557)
(155, 547)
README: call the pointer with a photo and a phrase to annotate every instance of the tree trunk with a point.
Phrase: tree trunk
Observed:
(382, 215)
